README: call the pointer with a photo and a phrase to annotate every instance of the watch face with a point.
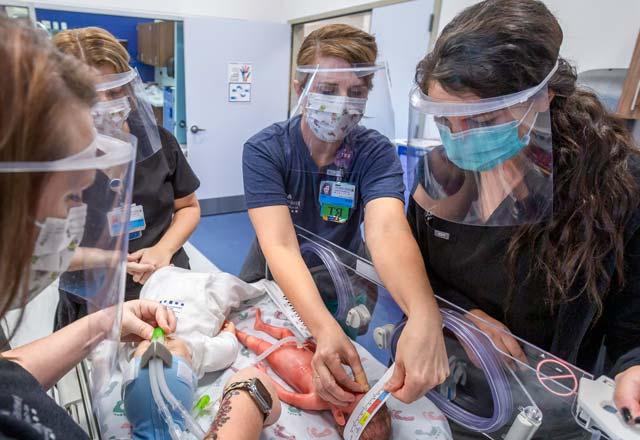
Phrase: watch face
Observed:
(263, 393)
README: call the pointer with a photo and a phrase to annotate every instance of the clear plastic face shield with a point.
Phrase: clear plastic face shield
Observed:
(77, 236)
(489, 393)
(493, 164)
(336, 97)
(123, 106)
(339, 131)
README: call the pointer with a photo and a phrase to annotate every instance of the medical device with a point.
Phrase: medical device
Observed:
(156, 357)
(490, 393)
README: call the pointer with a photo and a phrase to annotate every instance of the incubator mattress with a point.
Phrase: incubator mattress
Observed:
(421, 420)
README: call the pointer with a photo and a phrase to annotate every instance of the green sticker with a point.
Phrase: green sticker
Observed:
(332, 213)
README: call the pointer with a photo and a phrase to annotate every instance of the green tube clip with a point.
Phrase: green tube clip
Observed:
(202, 404)
(158, 334)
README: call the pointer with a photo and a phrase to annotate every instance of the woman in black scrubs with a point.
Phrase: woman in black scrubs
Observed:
(528, 214)
(49, 154)
(165, 185)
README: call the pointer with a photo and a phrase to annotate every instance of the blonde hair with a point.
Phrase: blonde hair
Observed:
(95, 46)
(341, 41)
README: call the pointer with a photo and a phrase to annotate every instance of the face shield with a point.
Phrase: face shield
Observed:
(72, 236)
(338, 147)
(336, 97)
(123, 106)
(493, 165)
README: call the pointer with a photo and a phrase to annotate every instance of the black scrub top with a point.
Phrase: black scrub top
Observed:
(159, 180)
(467, 265)
(27, 412)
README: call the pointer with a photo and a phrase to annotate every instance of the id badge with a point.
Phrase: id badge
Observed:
(337, 199)
(136, 225)
(336, 214)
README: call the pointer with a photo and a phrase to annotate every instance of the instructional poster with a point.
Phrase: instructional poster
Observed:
(239, 92)
(240, 73)
(240, 77)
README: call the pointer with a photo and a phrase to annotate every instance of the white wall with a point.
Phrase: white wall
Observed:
(295, 9)
(261, 10)
(596, 35)
(402, 34)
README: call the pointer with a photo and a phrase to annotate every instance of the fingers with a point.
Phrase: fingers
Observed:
(396, 380)
(328, 389)
(353, 360)
(229, 327)
(145, 277)
(340, 376)
(152, 311)
(135, 256)
(627, 394)
(499, 335)
(514, 348)
(134, 268)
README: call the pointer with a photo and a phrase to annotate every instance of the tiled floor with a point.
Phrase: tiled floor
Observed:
(225, 240)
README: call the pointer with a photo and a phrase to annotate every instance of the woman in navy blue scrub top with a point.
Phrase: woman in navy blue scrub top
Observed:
(287, 169)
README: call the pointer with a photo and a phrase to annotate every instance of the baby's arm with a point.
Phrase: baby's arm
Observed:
(221, 350)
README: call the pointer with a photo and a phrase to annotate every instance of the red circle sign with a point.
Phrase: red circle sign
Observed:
(557, 377)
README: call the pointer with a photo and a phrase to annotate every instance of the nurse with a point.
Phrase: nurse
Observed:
(327, 171)
(50, 153)
(165, 209)
(528, 213)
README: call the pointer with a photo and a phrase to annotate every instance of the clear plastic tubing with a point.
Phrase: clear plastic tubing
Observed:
(490, 363)
(190, 423)
(344, 289)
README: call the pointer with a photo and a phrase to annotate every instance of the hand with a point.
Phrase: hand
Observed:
(627, 394)
(421, 358)
(141, 316)
(229, 326)
(250, 373)
(333, 348)
(499, 334)
(149, 260)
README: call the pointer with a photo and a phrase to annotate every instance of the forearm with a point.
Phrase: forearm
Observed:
(295, 280)
(238, 419)
(399, 264)
(185, 221)
(51, 357)
(91, 258)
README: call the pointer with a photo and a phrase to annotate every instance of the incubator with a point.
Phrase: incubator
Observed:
(489, 393)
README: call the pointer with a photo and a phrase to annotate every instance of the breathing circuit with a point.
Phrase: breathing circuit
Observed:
(157, 355)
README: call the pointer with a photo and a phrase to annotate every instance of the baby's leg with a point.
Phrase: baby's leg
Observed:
(273, 331)
(254, 344)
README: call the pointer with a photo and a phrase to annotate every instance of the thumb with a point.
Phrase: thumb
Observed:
(142, 329)
(396, 381)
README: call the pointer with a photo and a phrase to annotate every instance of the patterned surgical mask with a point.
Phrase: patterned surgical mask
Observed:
(331, 117)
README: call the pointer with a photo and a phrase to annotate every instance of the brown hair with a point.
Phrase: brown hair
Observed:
(340, 41)
(39, 85)
(498, 47)
(95, 46)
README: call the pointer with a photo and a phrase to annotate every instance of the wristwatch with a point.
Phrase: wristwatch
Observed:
(256, 390)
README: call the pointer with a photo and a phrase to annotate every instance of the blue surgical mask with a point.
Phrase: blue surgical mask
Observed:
(481, 149)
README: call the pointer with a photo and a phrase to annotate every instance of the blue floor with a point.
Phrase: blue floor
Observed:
(225, 239)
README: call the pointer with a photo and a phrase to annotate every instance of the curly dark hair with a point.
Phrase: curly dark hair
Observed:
(497, 47)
